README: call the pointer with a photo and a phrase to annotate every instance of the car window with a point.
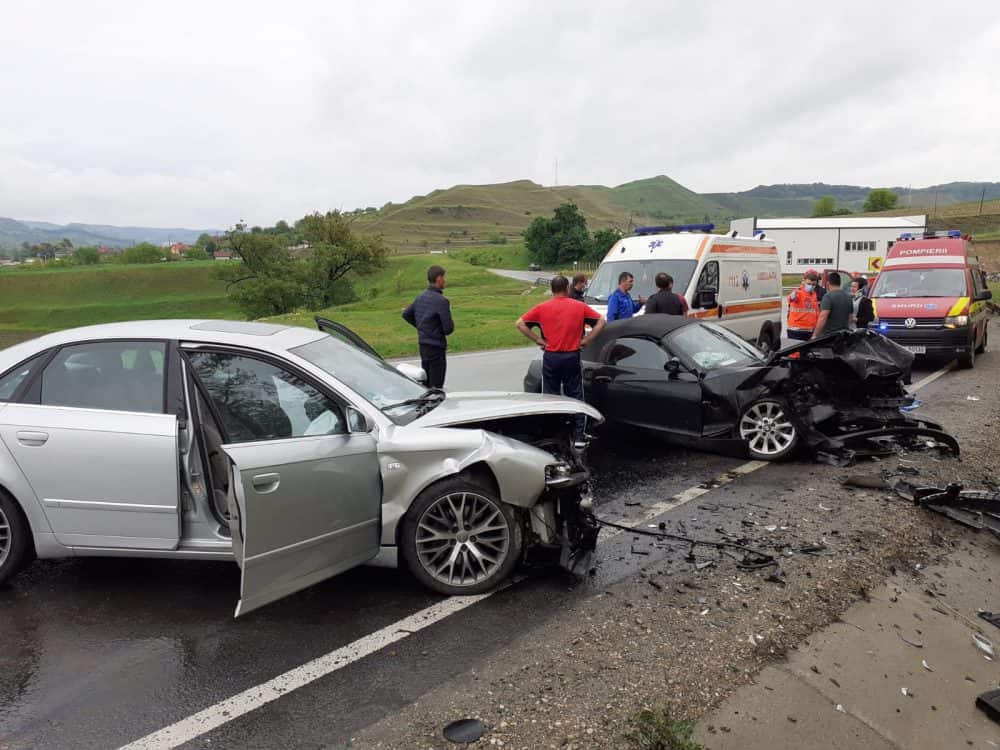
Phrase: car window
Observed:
(921, 282)
(12, 380)
(709, 278)
(257, 400)
(708, 347)
(637, 353)
(117, 375)
(605, 280)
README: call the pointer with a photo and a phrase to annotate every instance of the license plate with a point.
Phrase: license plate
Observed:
(916, 349)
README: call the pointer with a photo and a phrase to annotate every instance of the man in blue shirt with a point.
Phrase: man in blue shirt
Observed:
(430, 314)
(621, 306)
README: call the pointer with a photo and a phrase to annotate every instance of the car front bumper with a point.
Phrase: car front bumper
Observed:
(941, 342)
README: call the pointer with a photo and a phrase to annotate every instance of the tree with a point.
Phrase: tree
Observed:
(196, 253)
(86, 256)
(881, 199)
(561, 239)
(272, 279)
(825, 206)
(144, 252)
(604, 240)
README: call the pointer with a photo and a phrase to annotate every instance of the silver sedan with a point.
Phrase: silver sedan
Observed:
(299, 453)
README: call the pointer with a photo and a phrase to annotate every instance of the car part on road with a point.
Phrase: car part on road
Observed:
(991, 618)
(976, 509)
(464, 731)
(989, 703)
(984, 645)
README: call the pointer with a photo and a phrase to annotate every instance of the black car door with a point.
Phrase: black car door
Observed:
(631, 386)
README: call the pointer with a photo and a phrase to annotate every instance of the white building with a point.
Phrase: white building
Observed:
(857, 244)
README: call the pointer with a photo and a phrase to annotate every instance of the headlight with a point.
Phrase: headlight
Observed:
(557, 472)
(954, 321)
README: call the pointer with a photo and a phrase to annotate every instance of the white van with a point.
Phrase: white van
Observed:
(734, 281)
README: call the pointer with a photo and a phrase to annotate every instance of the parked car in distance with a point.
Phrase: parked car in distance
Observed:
(299, 453)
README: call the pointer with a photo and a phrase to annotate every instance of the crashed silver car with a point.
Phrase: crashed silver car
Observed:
(299, 453)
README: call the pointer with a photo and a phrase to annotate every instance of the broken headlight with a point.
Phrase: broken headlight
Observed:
(557, 474)
(956, 321)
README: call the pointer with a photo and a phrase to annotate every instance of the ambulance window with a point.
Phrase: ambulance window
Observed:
(709, 279)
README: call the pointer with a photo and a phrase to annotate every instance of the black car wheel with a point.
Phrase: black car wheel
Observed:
(769, 433)
(459, 539)
(981, 349)
(967, 359)
(15, 545)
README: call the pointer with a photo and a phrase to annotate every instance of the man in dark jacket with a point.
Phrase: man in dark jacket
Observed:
(577, 287)
(430, 314)
(666, 301)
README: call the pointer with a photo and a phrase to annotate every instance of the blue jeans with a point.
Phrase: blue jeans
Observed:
(561, 375)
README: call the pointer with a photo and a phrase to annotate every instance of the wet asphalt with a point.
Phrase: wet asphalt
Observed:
(96, 653)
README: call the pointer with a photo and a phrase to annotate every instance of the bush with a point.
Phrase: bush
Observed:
(142, 253)
(196, 253)
(497, 239)
(655, 730)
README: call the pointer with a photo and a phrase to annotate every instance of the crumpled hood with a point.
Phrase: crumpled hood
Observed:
(479, 406)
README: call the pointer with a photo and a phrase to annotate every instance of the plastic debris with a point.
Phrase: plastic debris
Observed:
(991, 617)
(464, 731)
(823, 507)
(841, 709)
(972, 398)
(984, 645)
(989, 703)
(912, 407)
(908, 642)
(926, 666)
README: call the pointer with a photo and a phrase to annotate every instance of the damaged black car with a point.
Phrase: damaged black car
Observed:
(700, 385)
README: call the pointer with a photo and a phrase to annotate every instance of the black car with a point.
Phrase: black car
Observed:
(699, 384)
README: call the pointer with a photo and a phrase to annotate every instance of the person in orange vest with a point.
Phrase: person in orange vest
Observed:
(803, 308)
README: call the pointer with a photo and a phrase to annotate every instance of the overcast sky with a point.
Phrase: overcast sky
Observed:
(202, 113)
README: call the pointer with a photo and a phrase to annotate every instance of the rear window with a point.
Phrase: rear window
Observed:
(921, 282)
(605, 280)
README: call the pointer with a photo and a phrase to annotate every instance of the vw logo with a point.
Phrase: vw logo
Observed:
(910, 322)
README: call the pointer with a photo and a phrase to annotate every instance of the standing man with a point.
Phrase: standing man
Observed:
(577, 287)
(562, 321)
(621, 306)
(835, 309)
(665, 300)
(803, 309)
(430, 314)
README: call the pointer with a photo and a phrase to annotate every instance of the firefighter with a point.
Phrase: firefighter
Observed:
(803, 308)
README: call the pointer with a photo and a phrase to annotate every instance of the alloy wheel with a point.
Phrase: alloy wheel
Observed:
(462, 539)
(767, 429)
(5, 538)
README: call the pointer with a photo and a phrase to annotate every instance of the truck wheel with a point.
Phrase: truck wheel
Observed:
(967, 359)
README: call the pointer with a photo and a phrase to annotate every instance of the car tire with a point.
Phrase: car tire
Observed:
(431, 531)
(15, 538)
(767, 430)
(967, 359)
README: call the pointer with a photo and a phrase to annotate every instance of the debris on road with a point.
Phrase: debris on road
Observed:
(976, 509)
(991, 617)
(984, 645)
(989, 703)
(868, 482)
(464, 731)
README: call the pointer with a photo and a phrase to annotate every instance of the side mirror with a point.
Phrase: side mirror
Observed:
(413, 372)
(985, 296)
(673, 367)
(706, 300)
(357, 421)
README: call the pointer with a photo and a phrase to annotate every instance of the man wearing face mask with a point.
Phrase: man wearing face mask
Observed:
(803, 308)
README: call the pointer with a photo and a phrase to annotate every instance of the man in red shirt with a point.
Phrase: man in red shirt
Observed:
(562, 321)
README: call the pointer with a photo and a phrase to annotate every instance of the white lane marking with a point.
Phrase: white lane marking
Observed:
(243, 703)
(225, 711)
(932, 377)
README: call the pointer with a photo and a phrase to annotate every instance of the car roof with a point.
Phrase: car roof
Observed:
(271, 337)
(654, 326)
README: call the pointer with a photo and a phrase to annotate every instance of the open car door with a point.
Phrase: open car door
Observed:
(344, 333)
(302, 510)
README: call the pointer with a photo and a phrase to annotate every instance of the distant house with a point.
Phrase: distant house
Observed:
(223, 255)
(104, 250)
(179, 248)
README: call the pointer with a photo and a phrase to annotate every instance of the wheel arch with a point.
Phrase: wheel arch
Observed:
(19, 508)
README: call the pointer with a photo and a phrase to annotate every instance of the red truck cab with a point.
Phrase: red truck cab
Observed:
(931, 295)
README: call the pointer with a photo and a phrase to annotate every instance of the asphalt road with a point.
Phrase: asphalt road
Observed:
(100, 653)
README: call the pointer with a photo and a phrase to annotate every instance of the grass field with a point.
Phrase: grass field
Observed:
(484, 306)
(513, 256)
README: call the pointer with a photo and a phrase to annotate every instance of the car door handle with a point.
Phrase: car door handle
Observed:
(32, 438)
(602, 378)
(266, 483)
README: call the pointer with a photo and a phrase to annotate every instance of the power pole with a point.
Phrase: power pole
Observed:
(981, 199)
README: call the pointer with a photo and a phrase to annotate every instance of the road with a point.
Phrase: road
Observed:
(103, 653)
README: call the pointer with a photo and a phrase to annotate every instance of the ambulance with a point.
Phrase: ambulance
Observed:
(730, 280)
(931, 296)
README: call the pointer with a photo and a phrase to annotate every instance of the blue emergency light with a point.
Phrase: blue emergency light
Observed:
(957, 233)
(905, 236)
(883, 326)
(640, 231)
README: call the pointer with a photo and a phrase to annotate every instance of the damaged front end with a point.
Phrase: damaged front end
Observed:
(560, 527)
(846, 397)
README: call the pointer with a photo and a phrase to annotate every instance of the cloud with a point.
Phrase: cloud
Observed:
(202, 114)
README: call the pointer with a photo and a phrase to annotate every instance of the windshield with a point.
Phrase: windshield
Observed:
(375, 380)
(921, 282)
(709, 346)
(605, 280)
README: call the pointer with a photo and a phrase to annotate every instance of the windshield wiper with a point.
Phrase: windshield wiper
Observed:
(433, 396)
